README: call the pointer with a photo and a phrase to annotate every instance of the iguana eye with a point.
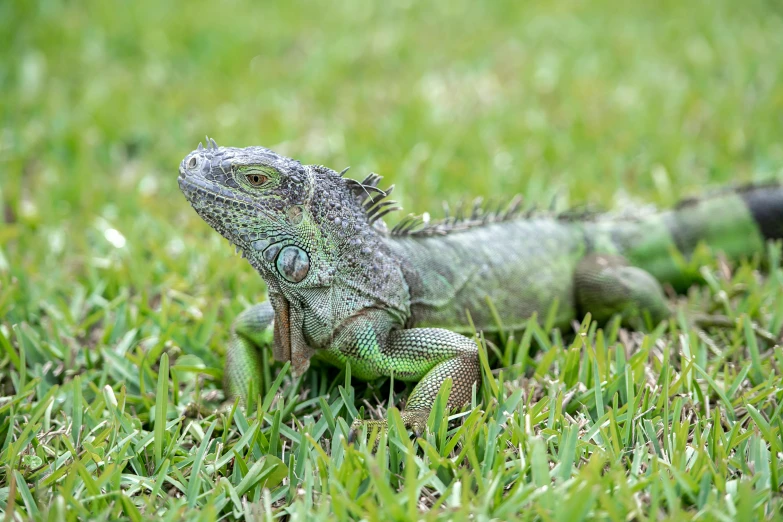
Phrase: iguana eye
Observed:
(192, 162)
(257, 179)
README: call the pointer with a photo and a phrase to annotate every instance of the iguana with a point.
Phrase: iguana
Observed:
(344, 289)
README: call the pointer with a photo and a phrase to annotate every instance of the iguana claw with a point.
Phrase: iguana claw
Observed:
(415, 420)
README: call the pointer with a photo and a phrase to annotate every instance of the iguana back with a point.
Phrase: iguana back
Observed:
(521, 266)
(527, 265)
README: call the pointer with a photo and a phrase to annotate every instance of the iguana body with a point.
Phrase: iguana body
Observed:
(343, 289)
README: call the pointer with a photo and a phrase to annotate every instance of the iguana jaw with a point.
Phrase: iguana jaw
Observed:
(199, 192)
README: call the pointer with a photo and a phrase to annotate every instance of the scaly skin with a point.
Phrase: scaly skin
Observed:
(344, 289)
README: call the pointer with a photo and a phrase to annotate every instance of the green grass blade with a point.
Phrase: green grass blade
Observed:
(161, 405)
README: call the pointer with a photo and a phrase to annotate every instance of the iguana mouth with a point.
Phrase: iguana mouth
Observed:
(202, 195)
(194, 184)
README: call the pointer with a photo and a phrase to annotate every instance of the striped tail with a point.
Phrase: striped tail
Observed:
(737, 222)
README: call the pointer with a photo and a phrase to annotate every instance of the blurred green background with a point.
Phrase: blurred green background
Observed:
(104, 267)
(607, 103)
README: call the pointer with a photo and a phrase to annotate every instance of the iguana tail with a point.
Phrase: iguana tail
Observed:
(737, 222)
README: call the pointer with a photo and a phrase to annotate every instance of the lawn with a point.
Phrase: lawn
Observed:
(116, 300)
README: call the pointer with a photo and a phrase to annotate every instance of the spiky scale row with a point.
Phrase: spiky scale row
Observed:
(481, 214)
(211, 145)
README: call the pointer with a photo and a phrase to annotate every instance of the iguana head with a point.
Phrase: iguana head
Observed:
(260, 201)
(299, 225)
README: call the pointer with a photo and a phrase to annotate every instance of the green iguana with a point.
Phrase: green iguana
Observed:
(344, 289)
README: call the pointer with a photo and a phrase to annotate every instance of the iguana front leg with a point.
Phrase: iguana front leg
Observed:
(251, 330)
(427, 355)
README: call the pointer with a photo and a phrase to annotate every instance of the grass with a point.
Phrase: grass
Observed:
(116, 300)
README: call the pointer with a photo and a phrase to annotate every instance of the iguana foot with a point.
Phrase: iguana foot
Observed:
(416, 420)
(242, 376)
(378, 426)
